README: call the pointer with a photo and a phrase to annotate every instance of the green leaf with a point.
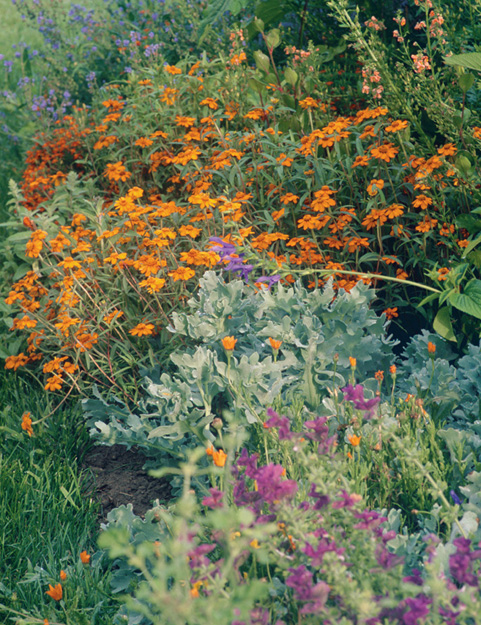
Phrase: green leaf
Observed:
(442, 324)
(466, 81)
(469, 301)
(470, 60)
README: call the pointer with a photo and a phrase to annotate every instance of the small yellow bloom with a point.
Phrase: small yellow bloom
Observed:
(255, 544)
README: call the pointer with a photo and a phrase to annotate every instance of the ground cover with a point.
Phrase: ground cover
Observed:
(257, 268)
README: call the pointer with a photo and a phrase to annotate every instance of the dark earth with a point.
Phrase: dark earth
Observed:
(118, 479)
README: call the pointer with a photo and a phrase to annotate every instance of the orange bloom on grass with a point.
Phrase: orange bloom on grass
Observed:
(84, 557)
(27, 423)
(228, 343)
(56, 592)
(182, 273)
(63, 575)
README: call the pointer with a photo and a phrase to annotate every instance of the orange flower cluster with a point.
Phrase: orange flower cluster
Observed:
(207, 166)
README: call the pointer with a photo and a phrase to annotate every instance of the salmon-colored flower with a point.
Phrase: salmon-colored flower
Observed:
(56, 592)
(229, 343)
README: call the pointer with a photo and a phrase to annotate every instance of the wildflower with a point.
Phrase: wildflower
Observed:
(54, 383)
(142, 329)
(229, 342)
(392, 369)
(352, 362)
(354, 440)
(396, 126)
(422, 201)
(374, 186)
(379, 375)
(356, 395)
(172, 70)
(27, 423)
(116, 171)
(14, 362)
(275, 344)
(308, 103)
(63, 575)
(442, 273)
(182, 273)
(385, 152)
(391, 313)
(215, 499)
(56, 592)
(218, 456)
(84, 557)
(431, 348)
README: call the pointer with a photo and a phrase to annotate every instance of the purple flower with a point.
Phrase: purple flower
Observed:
(301, 582)
(322, 500)
(272, 486)
(418, 609)
(370, 519)
(320, 434)
(455, 497)
(414, 578)
(317, 554)
(215, 500)
(460, 563)
(282, 423)
(356, 395)
(346, 500)
(197, 557)
(269, 280)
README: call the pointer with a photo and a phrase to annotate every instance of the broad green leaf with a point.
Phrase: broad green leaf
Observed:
(469, 301)
(442, 324)
(470, 60)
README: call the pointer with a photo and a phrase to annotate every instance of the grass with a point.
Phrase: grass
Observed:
(45, 518)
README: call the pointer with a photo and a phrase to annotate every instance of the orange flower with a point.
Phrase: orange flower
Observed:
(219, 458)
(27, 423)
(14, 362)
(392, 369)
(63, 575)
(56, 592)
(84, 557)
(391, 313)
(374, 186)
(172, 70)
(275, 344)
(142, 329)
(308, 103)
(379, 375)
(352, 361)
(229, 343)
(116, 171)
(385, 152)
(431, 348)
(443, 273)
(182, 273)
(354, 440)
(54, 383)
(396, 125)
(422, 201)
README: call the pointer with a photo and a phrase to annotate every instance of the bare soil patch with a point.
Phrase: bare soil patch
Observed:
(118, 479)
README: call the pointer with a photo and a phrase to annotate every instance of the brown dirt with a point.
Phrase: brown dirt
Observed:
(118, 479)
